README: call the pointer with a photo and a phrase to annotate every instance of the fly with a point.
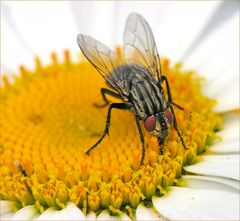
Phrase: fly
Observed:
(136, 80)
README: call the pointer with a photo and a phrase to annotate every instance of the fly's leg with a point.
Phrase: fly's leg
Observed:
(104, 92)
(20, 167)
(176, 127)
(176, 105)
(120, 106)
(170, 101)
(161, 143)
(170, 105)
(24, 173)
(141, 137)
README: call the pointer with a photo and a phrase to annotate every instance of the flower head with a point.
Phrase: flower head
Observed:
(50, 121)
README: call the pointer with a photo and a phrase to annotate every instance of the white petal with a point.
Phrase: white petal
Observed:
(206, 182)
(5, 207)
(198, 204)
(217, 59)
(13, 50)
(6, 216)
(169, 21)
(48, 214)
(42, 26)
(71, 212)
(217, 165)
(177, 31)
(229, 135)
(227, 97)
(144, 213)
(91, 216)
(104, 215)
(101, 19)
(229, 142)
(26, 213)
(45, 28)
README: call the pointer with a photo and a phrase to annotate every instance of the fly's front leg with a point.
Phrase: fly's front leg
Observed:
(104, 92)
(170, 104)
(141, 137)
(161, 143)
(176, 127)
(170, 101)
(176, 105)
(121, 106)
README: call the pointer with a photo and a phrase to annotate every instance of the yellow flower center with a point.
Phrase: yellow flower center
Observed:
(48, 121)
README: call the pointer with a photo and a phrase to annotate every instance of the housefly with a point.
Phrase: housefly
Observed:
(136, 80)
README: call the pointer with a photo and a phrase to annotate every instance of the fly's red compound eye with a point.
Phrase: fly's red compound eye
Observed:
(150, 123)
(169, 117)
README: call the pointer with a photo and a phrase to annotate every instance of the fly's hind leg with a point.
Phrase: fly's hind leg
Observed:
(170, 104)
(120, 106)
(104, 92)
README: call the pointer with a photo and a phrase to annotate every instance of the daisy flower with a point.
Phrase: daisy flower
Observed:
(49, 120)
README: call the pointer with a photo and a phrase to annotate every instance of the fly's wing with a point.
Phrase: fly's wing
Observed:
(139, 45)
(102, 58)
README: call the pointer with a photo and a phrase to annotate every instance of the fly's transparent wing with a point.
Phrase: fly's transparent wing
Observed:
(139, 45)
(102, 58)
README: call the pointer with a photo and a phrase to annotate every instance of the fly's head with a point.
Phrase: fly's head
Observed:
(159, 124)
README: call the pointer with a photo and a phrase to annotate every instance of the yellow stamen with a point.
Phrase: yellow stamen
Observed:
(49, 121)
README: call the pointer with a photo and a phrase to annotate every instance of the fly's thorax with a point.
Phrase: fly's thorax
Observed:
(149, 105)
(145, 95)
